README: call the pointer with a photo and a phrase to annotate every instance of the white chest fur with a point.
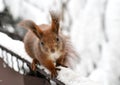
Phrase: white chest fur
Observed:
(54, 56)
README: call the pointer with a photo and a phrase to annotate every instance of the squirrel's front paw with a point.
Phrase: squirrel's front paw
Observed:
(54, 73)
(33, 65)
(59, 64)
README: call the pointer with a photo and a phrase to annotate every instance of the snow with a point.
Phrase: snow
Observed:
(14, 45)
(17, 47)
(108, 69)
(29, 9)
(69, 77)
(98, 41)
(90, 35)
(2, 7)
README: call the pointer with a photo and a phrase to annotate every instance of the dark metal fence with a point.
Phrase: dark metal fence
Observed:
(40, 73)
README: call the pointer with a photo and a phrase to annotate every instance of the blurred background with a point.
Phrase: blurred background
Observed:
(93, 26)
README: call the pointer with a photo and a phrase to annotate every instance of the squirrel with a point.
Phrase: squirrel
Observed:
(47, 45)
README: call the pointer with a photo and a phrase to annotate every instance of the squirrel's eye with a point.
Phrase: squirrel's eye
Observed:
(57, 39)
(42, 43)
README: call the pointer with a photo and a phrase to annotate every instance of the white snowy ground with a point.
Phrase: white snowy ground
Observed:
(95, 32)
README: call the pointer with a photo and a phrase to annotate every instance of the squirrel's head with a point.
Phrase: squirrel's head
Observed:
(48, 35)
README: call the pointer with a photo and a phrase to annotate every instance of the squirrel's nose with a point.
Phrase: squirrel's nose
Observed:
(52, 50)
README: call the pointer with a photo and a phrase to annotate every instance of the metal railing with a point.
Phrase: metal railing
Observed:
(38, 73)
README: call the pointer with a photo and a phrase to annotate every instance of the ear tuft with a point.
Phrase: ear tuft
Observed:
(30, 25)
(55, 21)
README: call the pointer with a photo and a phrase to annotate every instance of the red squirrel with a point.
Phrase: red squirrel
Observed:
(47, 45)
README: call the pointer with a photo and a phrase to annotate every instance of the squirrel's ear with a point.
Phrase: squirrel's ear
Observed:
(55, 22)
(28, 24)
